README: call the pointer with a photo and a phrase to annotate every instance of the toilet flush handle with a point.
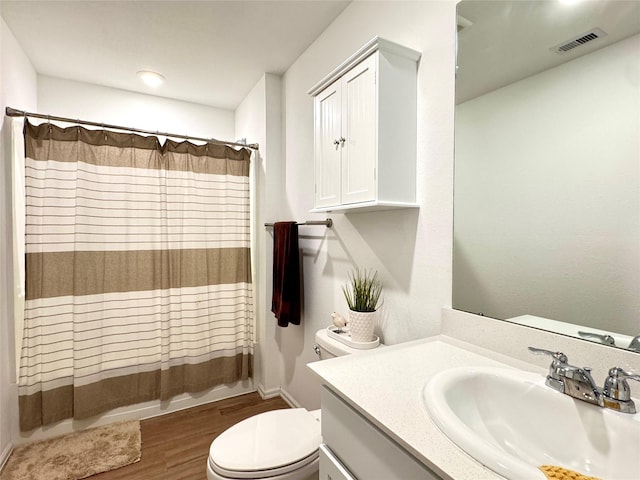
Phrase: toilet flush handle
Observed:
(316, 349)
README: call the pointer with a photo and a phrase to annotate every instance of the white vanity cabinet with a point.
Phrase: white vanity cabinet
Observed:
(355, 449)
(365, 130)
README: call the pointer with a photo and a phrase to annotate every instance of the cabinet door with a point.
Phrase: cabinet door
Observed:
(359, 127)
(362, 449)
(328, 147)
(330, 466)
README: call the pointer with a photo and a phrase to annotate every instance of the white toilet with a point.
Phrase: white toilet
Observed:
(276, 445)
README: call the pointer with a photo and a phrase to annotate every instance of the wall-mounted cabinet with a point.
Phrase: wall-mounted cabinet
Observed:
(365, 130)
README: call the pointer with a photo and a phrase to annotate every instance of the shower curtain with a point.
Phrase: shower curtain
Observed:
(138, 277)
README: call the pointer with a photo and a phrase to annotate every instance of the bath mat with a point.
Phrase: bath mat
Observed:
(77, 455)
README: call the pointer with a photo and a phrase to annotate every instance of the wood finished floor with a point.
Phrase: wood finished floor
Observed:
(176, 446)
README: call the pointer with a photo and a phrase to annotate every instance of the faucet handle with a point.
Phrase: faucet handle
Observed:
(616, 386)
(556, 369)
(616, 393)
(605, 339)
(558, 357)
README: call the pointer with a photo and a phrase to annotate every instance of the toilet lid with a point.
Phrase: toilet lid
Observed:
(266, 441)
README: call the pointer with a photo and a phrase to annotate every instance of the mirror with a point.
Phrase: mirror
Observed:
(547, 166)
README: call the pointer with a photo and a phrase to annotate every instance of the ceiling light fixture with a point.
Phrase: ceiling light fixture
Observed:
(152, 79)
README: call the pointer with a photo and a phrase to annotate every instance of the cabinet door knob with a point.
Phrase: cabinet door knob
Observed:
(342, 140)
(336, 142)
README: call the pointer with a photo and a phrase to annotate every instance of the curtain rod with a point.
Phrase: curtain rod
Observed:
(327, 223)
(12, 112)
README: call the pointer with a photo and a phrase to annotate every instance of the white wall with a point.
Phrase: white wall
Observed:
(18, 89)
(411, 249)
(547, 198)
(85, 101)
(258, 118)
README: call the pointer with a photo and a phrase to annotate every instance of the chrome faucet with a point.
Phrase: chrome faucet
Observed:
(603, 338)
(606, 339)
(577, 382)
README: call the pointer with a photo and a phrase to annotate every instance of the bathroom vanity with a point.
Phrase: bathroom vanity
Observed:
(344, 429)
(375, 424)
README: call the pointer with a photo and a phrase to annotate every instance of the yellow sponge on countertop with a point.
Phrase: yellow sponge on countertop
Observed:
(559, 473)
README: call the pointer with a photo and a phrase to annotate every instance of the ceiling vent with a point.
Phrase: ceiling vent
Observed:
(578, 41)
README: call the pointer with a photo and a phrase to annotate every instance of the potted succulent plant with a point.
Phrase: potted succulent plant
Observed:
(362, 293)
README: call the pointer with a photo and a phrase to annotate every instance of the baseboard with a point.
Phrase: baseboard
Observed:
(270, 393)
(4, 456)
(136, 412)
(278, 392)
(286, 396)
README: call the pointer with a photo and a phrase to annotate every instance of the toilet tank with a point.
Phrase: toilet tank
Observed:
(327, 347)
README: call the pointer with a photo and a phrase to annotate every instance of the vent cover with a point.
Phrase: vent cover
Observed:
(578, 41)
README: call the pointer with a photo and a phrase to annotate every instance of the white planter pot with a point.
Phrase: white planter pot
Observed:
(361, 325)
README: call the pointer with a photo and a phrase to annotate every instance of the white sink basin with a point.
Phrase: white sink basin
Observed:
(511, 422)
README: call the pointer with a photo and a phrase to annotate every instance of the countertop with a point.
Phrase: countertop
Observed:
(385, 386)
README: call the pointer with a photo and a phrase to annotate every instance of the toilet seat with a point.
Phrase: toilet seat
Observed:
(280, 441)
(265, 474)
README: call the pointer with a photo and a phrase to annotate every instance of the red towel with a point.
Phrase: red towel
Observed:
(285, 302)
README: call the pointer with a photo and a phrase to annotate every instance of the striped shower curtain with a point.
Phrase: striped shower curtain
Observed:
(138, 281)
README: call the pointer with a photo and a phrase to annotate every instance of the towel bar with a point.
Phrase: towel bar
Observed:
(327, 223)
